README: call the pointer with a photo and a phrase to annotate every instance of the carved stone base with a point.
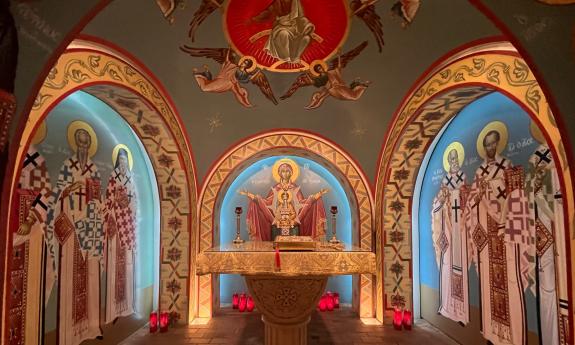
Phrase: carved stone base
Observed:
(286, 304)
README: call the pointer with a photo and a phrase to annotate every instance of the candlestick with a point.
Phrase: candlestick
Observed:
(238, 239)
(333, 225)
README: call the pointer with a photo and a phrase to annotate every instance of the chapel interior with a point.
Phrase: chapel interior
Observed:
(287, 172)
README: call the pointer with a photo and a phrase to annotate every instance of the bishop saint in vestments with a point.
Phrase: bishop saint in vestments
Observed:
(498, 219)
(120, 237)
(78, 228)
(31, 205)
(450, 239)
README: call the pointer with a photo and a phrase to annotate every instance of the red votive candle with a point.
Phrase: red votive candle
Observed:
(407, 320)
(329, 302)
(323, 303)
(235, 301)
(336, 300)
(250, 304)
(397, 319)
(164, 321)
(243, 303)
(153, 322)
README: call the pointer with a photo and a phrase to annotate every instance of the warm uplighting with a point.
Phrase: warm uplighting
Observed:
(153, 322)
(243, 303)
(235, 301)
(250, 304)
(164, 321)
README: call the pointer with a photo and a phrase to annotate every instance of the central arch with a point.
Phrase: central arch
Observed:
(288, 141)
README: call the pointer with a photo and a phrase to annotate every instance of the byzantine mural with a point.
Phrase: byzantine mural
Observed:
(285, 195)
(83, 244)
(301, 37)
(490, 218)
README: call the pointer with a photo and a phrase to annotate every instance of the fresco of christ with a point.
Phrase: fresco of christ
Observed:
(291, 32)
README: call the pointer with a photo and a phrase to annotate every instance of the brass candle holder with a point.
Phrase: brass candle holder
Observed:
(334, 239)
(238, 239)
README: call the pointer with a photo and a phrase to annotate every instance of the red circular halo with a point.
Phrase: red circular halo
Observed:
(330, 17)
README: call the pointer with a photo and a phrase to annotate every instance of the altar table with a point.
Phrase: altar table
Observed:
(285, 295)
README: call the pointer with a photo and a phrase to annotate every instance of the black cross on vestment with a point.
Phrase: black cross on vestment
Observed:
(449, 181)
(499, 166)
(459, 176)
(118, 176)
(88, 168)
(130, 196)
(543, 156)
(80, 195)
(502, 193)
(484, 170)
(38, 201)
(31, 159)
(74, 164)
(456, 208)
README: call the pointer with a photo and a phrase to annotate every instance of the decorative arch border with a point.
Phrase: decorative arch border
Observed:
(165, 142)
(225, 167)
(418, 121)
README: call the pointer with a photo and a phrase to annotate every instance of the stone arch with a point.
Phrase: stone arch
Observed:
(290, 141)
(441, 94)
(110, 76)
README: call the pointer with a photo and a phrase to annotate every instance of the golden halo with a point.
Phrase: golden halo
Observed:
(315, 63)
(291, 163)
(76, 125)
(497, 126)
(249, 58)
(40, 134)
(115, 155)
(456, 145)
(536, 132)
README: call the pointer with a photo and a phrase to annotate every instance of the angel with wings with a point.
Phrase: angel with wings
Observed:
(234, 72)
(330, 80)
(365, 10)
(406, 10)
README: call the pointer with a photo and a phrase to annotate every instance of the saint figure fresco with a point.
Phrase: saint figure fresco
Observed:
(498, 219)
(120, 236)
(31, 200)
(285, 211)
(450, 236)
(546, 205)
(77, 226)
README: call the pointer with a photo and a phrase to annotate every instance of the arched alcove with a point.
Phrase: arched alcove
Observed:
(454, 83)
(285, 143)
(134, 94)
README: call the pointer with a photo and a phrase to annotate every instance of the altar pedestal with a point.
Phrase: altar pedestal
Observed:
(286, 305)
(287, 294)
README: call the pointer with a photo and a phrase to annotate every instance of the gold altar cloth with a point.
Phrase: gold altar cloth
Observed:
(256, 258)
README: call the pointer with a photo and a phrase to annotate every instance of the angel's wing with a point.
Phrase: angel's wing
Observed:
(302, 80)
(206, 8)
(259, 79)
(343, 60)
(367, 13)
(220, 55)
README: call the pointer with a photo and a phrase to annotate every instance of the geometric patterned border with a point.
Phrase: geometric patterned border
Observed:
(163, 138)
(295, 140)
(436, 100)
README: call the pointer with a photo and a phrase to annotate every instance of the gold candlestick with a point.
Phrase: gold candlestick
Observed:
(333, 225)
(238, 239)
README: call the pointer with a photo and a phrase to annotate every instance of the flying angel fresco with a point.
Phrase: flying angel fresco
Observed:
(235, 71)
(328, 77)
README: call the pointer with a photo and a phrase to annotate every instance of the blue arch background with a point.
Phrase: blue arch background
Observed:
(465, 128)
(257, 179)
